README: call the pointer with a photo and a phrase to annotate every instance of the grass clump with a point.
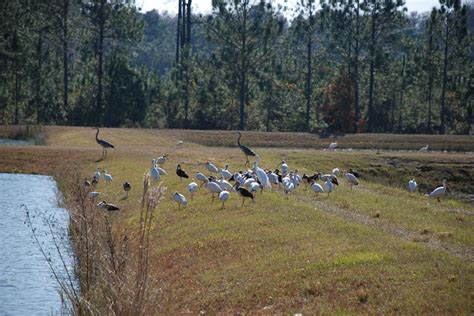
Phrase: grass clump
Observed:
(34, 133)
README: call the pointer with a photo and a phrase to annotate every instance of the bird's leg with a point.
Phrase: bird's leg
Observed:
(243, 201)
(439, 201)
(247, 160)
(212, 198)
(192, 193)
(222, 206)
(179, 206)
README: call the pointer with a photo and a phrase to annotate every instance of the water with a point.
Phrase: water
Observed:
(12, 142)
(27, 286)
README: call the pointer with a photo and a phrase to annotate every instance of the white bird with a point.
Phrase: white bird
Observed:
(284, 167)
(180, 199)
(213, 188)
(317, 188)
(211, 167)
(161, 160)
(248, 182)
(424, 148)
(108, 206)
(179, 142)
(154, 173)
(329, 186)
(107, 176)
(161, 171)
(261, 174)
(412, 185)
(225, 173)
(93, 194)
(289, 187)
(97, 173)
(336, 172)
(352, 179)
(333, 146)
(201, 177)
(273, 177)
(192, 187)
(224, 196)
(225, 185)
(254, 186)
(439, 191)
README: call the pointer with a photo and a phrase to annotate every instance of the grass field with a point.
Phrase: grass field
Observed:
(375, 249)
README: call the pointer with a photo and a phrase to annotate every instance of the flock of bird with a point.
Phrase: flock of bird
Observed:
(245, 183)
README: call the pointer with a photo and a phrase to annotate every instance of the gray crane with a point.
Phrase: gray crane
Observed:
(246, 150)
(105, 144)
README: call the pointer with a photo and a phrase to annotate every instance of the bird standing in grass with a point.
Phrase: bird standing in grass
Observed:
(412, 185)
(107, 176)
(284, 167)
(439, 192)
(192, 187)
(180, 199)
(332, 146)
(181, 173)
(161, 160)
(201, 177)
(244, 193)
(225, 173)
(87, 183)
(425, 148)
(154, 173)
(336, 172)
(93, 194)
(211, 167)
(351, 178)
(105, 144)
(127, 187)
(224, 196)
(213, 187)
(108, 206)
(261, 175)
(316, 187)
(329, 186)
(246, 150)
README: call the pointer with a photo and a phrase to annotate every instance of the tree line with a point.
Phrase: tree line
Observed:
(335, 66)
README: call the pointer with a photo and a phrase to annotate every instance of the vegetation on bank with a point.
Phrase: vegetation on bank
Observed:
(375, 249)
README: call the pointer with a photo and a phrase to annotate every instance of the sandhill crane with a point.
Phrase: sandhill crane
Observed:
(246, 150)
(439, 191)
(351, 178)
(332, 146)
(108, 206)
(192, 187)
(412, 185)
(180, 199)
(127, 187)
(105, 144)
(224, 196)
(181, 173)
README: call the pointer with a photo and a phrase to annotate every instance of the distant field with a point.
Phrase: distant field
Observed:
(376, 249)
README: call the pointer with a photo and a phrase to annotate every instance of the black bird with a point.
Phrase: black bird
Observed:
(355, 173)
(181, 173)
(244, 193)
(105, 144)
(247, 151)
(325, 177)
(108, 206)
(94, 181)
(127, 186)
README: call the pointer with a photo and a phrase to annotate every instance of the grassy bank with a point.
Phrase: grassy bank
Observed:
(375, 249)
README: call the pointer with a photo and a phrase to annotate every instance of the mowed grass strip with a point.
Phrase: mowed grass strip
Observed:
(277, 255)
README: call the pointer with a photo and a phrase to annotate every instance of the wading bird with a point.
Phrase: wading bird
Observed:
(224, 196)
(439, 191)
(181, 173)
(412, 185)
(161, 160)
(192, 187)
(213, 187)
(332, 146)
(201, 177)
(180, 199)
(351, 178)
(355, 173)
(93, 194)
(317, 188)
(261, 174)
(244, 193)
(225, 173)
(108, 206)
(329, 186)
(336, 172)
(107, 176)
(87, 183)
(246, 150)
(154, 173)
(284, 167)
(211, 167)
(105, 144)
(425, 148)
(126, 187)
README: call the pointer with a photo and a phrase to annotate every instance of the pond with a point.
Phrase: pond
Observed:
(13, 142)
(27, 285)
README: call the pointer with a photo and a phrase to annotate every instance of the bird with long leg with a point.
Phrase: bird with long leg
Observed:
(127, 187)
(180, 199)
(105, 144)
(181, 173)
(244, 193)
(439, 192)
(246, 150)
(412, 185)
(224, 196)
(192, 187)
(352, 179)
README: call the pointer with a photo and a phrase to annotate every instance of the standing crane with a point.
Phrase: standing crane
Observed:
(246, 150)
(105, 144)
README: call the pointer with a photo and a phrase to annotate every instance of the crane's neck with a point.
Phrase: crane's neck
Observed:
(238, 139)
(97, 135)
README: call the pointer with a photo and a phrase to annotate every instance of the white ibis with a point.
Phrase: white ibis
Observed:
(161, 160)
(107, 176)
(201, 177)
(105, 144)
(213, 187)
(97, 173)
(192, 187)
(108, 206)
(351, 178)
(330, 177)
(211, 167)
(181, 173)
(317, 188)
(284, 167)
(225, 173)
(224, 196)
(180, 199)
(127, 187)
(93, 194)
(332, 146)
(412, 185)
(154, 173)
(246, 150)
(329, 186)
(273, 178)
(261, 175)
(289, 187)
(336, 172)
(161, 171)
(439, 191)
(225, 185)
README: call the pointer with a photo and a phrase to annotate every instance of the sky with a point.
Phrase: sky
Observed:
(204, 6)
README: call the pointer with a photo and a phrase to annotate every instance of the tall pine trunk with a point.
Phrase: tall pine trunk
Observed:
(356, 73)
(442, 127)
(100, 71)
(65, 55)
(309, 89)
(243, 69)
(371, 118)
